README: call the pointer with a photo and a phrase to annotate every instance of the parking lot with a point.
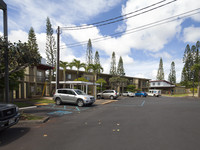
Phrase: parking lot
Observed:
(140, 123)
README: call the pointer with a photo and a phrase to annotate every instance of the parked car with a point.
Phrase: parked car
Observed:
(128, 93)
(74, 96)
(111, 94)
(141, 94)
(154, 92)
(9, 115)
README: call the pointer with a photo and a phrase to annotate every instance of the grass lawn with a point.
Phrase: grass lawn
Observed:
(49, 101)
(33, 102)
(176, 95)
(25, 116)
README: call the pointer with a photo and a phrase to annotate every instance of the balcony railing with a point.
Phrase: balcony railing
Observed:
(32, 78)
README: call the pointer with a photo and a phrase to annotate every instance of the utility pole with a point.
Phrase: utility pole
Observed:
(58, 58)
(3, 6)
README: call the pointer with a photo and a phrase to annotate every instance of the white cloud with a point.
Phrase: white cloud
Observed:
(16, 35)
(191, 34)
(33, 13)
(71, 12)
(163, 55)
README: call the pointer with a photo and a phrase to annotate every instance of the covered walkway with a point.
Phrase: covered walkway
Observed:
(84, 85)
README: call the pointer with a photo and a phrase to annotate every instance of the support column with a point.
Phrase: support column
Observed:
(86, 89)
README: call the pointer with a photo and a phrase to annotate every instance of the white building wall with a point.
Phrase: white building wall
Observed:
(160, 84)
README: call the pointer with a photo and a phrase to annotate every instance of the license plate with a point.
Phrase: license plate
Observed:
(11, 121)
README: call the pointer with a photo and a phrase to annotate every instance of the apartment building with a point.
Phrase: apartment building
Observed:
(36, 82)
(71, 75)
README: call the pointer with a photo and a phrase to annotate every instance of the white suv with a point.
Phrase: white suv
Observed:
(74, 96)
(111, 94)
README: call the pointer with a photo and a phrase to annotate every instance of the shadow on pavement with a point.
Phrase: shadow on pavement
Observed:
(9, 135)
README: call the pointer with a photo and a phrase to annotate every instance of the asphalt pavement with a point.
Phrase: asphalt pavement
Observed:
(128, 124)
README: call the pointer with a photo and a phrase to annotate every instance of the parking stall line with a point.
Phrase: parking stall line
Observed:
(143, 103)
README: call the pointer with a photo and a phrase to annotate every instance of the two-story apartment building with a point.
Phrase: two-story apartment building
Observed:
(166, 87)
(71, 75)
(36, 82)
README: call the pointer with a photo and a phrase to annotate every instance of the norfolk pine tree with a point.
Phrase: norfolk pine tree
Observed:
(50, 49)
(120, 68)
(172, 74)
(96, 58)
(89, 58)
(113, 70)
(32, 42)
(188, 60)
(160, 74)
(50, 44)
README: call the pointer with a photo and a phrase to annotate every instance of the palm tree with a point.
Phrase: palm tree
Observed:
(78, 65)
(96, 69)
(70, 65)
(64, 65)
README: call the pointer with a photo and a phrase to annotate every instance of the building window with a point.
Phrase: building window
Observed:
(158, 83)
(69, 76)
(39, 73)
(153, 83)
(87, 78)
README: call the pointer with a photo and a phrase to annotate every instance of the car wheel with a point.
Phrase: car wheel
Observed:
(58, 101)
(80, 103)
(98, 97)
(111, 97)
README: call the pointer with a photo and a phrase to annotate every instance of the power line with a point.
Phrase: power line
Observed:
(103, 24)
(103, 21)
(140, 28)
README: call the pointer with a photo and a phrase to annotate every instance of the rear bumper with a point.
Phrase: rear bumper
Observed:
(9, 122)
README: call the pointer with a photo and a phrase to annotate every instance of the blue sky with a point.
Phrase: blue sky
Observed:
(141, 51)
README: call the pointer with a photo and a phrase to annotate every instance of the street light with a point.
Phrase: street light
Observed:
(3, 6)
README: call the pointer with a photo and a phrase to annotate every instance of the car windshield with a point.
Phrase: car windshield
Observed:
(79, 92)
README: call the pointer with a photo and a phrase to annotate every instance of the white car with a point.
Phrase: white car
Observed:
(128, 93)
(74, 96)
(154, 92)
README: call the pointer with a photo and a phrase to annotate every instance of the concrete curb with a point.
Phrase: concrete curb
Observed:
(103, 102)
(35, 121)
(23, 108)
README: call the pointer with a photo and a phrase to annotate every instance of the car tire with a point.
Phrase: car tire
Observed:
(58, 101)
(98, 97)
(111, 97)
(80, 103)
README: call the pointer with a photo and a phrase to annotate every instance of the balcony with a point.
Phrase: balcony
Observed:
(32, 78)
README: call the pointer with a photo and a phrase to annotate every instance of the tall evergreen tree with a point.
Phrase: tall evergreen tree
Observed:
(120, 68)
(113, 70)
(32, 41)
(96, 58)
(89, 58)
(172, 74)
(50, 44)
(160, 74)
(188, 60)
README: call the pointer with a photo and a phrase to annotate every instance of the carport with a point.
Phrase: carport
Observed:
(84, 85)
